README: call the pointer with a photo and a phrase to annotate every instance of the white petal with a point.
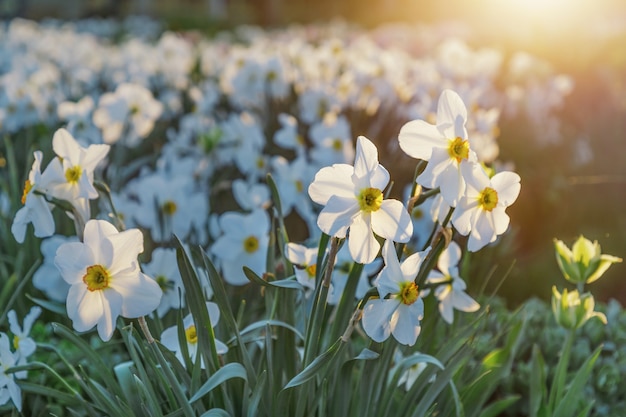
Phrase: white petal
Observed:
(169, 338)
(451, 115)
(406, 322)
(507, 184)
(362, 243)
(411, 265)
(93, 155)
(449, 258)
(392, 221)
(377, 318)
(463, 215)
(111, 305)
(140, 294)
(65, 146)
(214, 313)
(41, 216)
(366, 159)
(127, 245)
(72, 260)
(463, 302)
(330, 181)
(84, 307)
(338, 214)
(451, 183)
(418, 138)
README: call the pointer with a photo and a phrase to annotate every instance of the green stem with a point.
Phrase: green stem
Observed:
(319, 308)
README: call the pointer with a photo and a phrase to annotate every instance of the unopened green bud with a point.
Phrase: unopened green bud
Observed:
(572, 310)
(584, 263)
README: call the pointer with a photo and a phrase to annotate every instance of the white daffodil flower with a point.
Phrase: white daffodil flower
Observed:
(244, 242)
(105, 278)
(73, 169)
(353, 199)
(444, 145)
(481, 212)
(9, 390)
(451, 289)
(36, 209)
(22, 342)
(401, 313)
(169, 337)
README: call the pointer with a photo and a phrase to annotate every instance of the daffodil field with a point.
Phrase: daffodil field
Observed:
(304, 221)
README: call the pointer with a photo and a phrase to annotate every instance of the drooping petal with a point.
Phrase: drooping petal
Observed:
(392, 221)
(362, 243)
(41, 216)
(335, 180)
(377, 318)
(417, 139)
(338, 215)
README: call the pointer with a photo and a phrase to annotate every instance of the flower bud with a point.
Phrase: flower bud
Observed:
(572, 310)
(583, 263)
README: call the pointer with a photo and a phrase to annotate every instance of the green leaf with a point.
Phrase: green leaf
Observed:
(497, 407)
(289, 283)
(257, 394)
(228, 371)
(538, 389)
(315, 367)
(567, 406)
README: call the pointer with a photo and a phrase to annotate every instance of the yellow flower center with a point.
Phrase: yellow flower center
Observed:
(299, 186)
(370, 199)
(337, 145)
(72, 175)
(311, 270)
(16, 342)
(488, 199)
(96, 278)
(417, 213)
(164, 283)
(458, 149)
(190, 333)
(408, 293)
(251, 244)
(27, 187)
(169, 207)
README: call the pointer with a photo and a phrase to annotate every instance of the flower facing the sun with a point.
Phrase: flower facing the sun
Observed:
(353, 199)
(105, 278)
(481, 212)
(444, 145)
